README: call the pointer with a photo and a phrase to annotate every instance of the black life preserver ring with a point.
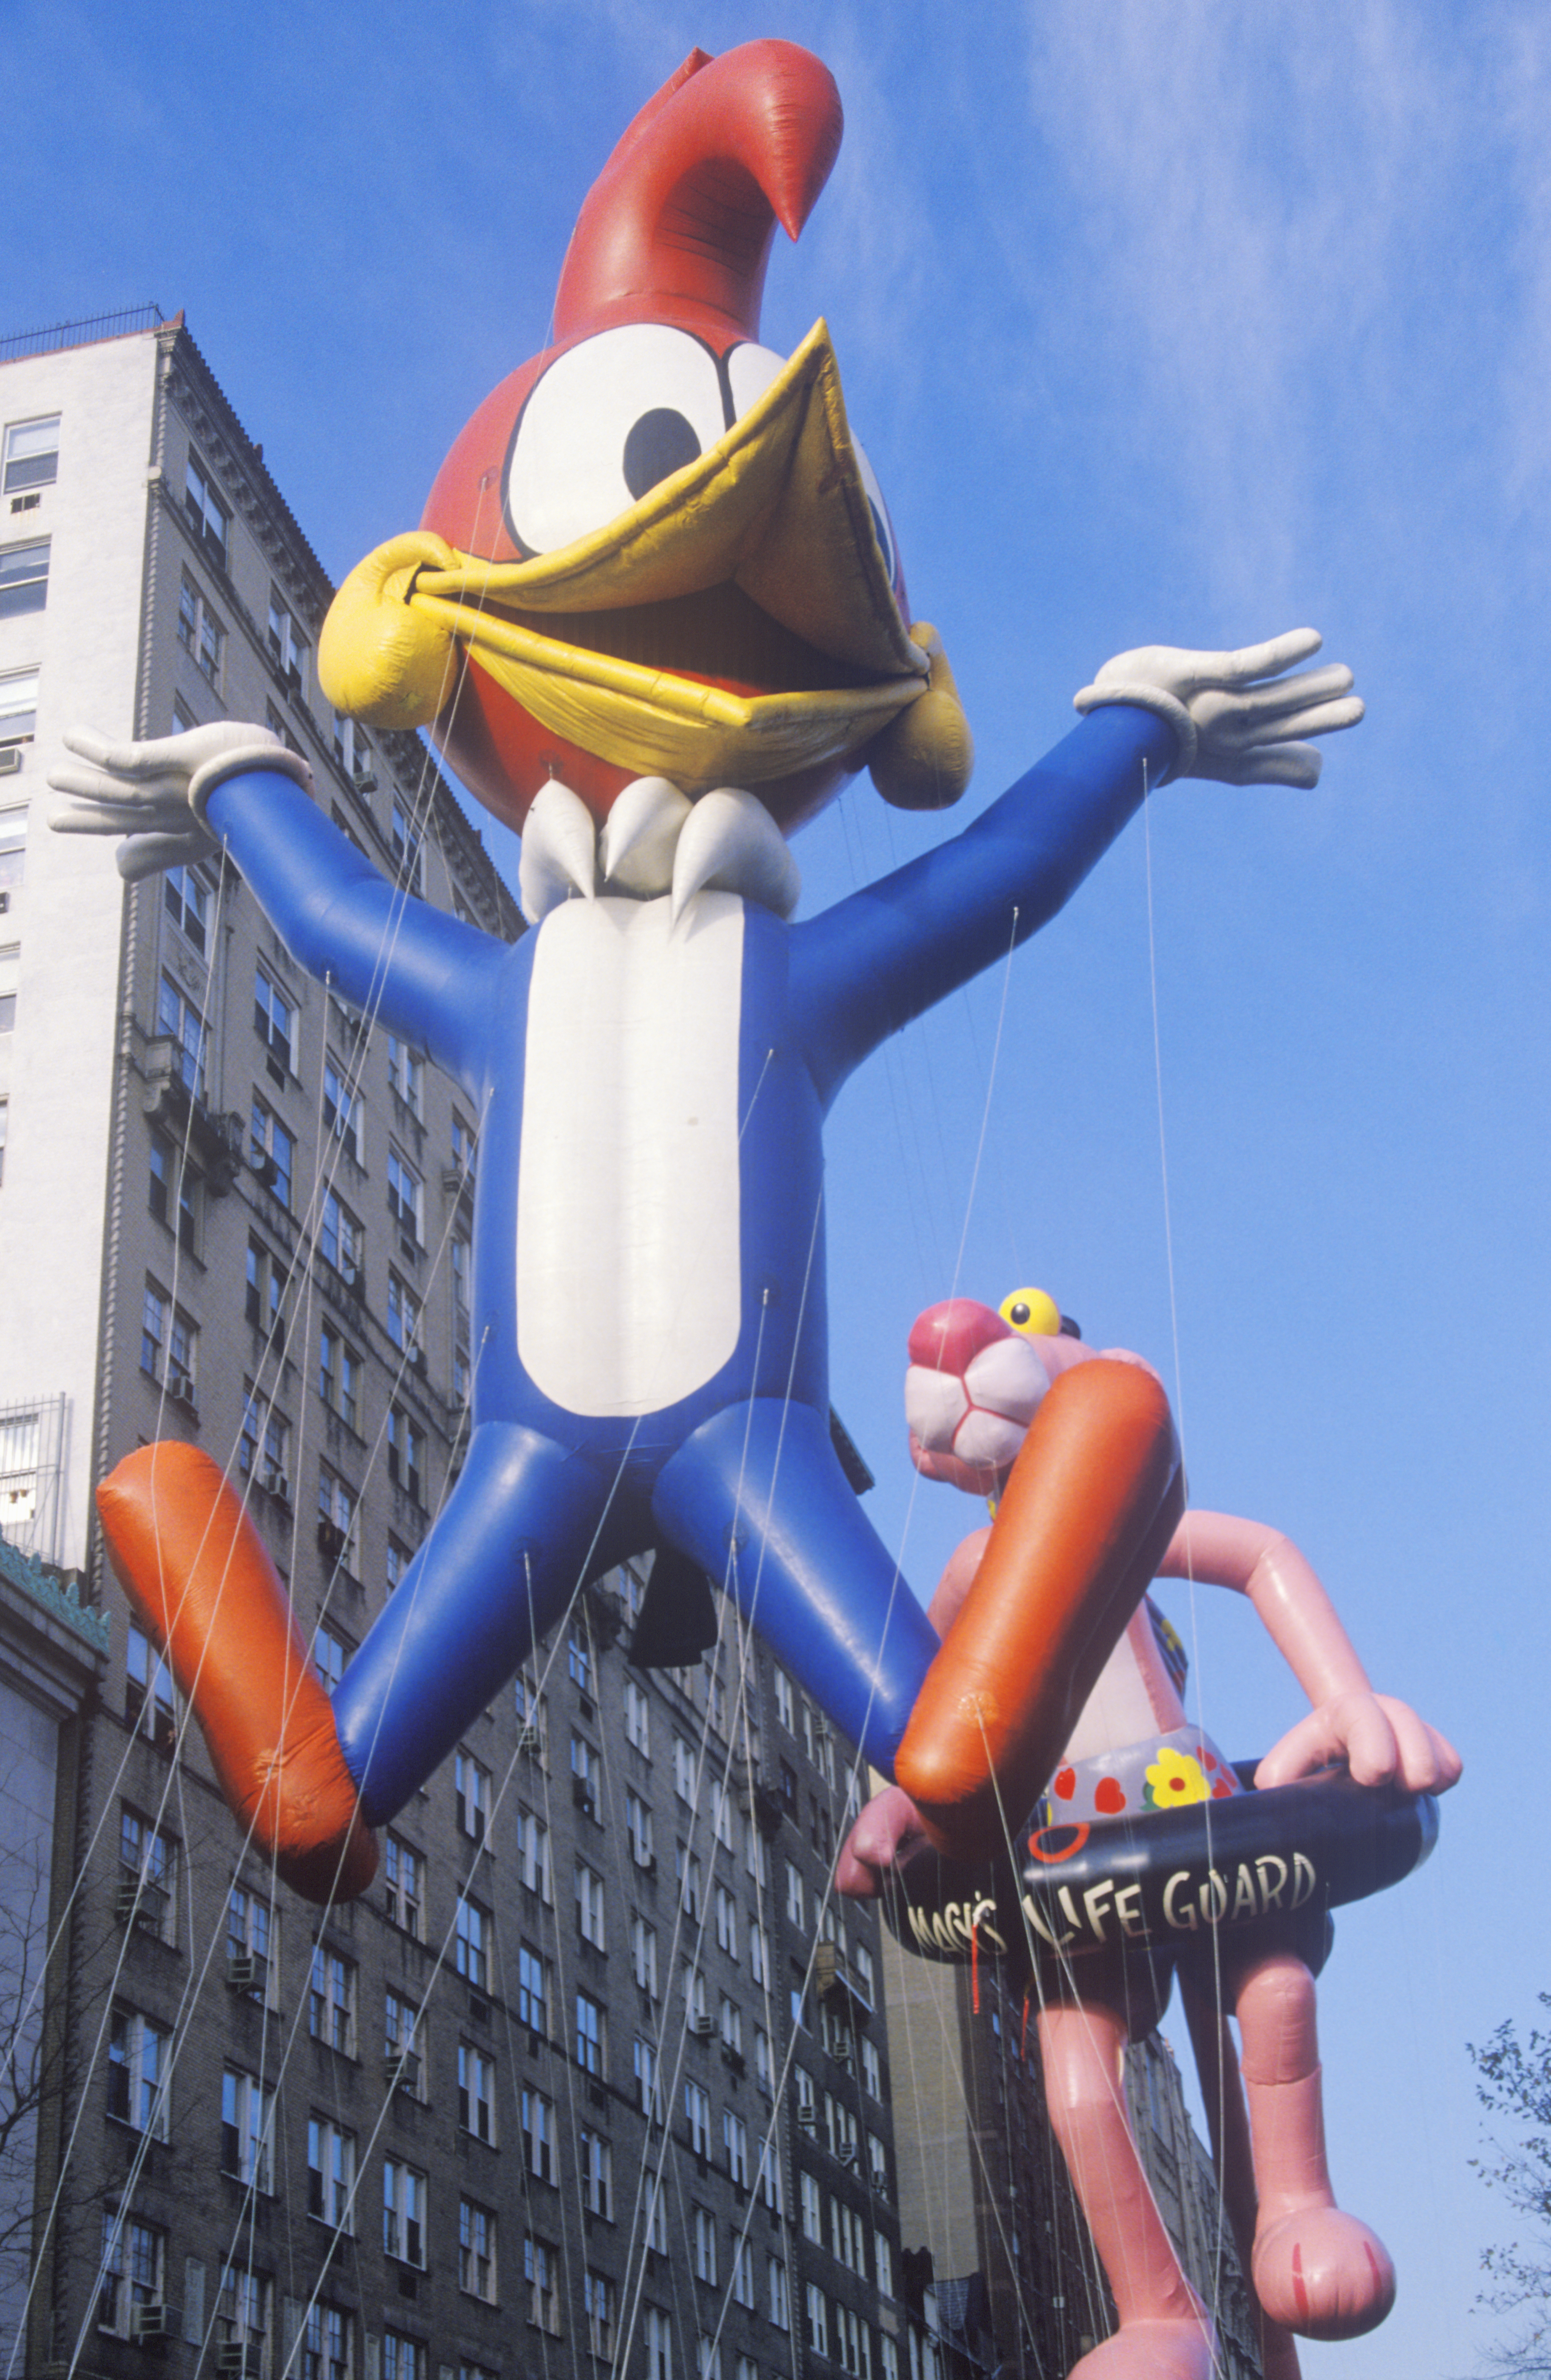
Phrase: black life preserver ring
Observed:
(1168, 1878)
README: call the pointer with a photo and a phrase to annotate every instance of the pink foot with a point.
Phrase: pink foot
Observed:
(1322, 2274)
(1152, 2351)
(887, 1830)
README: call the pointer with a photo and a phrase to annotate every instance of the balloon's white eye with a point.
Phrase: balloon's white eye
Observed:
(751, 371)
(606, 422)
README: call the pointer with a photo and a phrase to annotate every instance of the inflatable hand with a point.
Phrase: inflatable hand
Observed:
(153, 794)
(378, 659)
(1381, 1742)
(1237, 717)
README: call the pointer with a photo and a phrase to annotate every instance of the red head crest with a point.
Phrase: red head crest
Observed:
(678, 226)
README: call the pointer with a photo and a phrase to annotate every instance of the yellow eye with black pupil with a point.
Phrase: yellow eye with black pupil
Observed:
(1033, 1313)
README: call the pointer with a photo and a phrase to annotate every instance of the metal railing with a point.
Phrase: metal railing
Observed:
(79, 335)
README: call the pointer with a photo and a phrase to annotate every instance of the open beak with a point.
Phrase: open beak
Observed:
(736, 625)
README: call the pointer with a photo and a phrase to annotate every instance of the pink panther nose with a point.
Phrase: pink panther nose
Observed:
(948, 1337)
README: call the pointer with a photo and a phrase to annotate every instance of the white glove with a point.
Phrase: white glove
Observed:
(1235, 715)
(154, 794)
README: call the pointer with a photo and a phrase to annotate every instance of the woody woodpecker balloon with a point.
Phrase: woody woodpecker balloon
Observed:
(654, 616)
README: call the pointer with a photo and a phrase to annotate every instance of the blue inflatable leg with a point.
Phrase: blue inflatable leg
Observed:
(759, 1498)
(502, 1561)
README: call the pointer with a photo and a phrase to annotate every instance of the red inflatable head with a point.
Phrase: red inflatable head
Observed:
(672, 558)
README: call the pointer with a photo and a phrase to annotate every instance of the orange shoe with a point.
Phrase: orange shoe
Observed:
(193, 1567)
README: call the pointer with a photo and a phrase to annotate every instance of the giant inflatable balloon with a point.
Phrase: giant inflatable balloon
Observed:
(655, 615)
(1152, 1851)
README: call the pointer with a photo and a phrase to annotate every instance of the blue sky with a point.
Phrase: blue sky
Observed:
(1160, 322)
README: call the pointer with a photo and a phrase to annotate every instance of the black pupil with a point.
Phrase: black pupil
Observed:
(660, 443)
(1021, 1313)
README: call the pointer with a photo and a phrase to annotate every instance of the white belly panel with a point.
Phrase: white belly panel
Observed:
(627, 1274)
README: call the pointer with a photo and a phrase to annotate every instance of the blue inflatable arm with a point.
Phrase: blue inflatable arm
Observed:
(428, 976)
(868, 966)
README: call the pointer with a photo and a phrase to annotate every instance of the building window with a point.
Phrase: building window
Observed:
(646, 2079)
(532, 1992)
(578, 1659)
(585, 1775)
(882, 2256)
(403, 2358)
(18, 706)
(743, 2281)
(404, 1876)
(811, 2203)
(148, 1859)
(637, 1719)
(252, 1938)
(32, 455)
(331, 2174)
(727, 1921)
(401, 2043)
(541, 2273)
(696, 2116)
(274, 1023)
(353, 752)
(167, 1168)
(778, 2299)
(10, 970)
(340, 1239)
(694, 2001)
(877, 2164)
(658, 2331)
(328, 2345)
(731, 2026)
(406, 1455)
(770, 2178)
(476, 2250)
(589, 2034)
(638, 1829)
(133, 2266)
(476, 2092)
(403, 1317)
(532, 1718)
(405, 1197)
(186, 899)
(597, 2299)
(247, 2129)
(473, 1943)
(816, 2307)
(872, 2069)
(13, 847)
(690, 1882)
(342, 1110)
(398, 1562)
(265, 1286)
(272, 1152)
(534, 1848)
(331, 2008)
(208, 515)
(403, 2213)
(138, 2053)
(705, 2246)
(287, 646)
(199, 631)
(328, 1656)
(339, 1376)
(734, 2141)
(708, 2359)
(683, 1771)
(180, 1021)
(596, 2158)
(4, 1124)
(472, 1785)
(794, 1894)
(406, 1075)
(759, 1954)
(23, 578)
(244, 2313)
(538, 2136)
(590, 1905)
(785, 1703)
(149, 1703)
(338, 1524)
(407, 856)
(764, 2072)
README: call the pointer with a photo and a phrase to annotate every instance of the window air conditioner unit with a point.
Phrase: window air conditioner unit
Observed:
(237, 2363)
(10, 759)
(153, 2321)
(403, 2072)
(248, 1970)
(139, 1902)
(583, 1796)
(278, 1485)
(702, 2028)
(5, 902)
(808, 2119)
(529, 1740)
(846, 2152)
(267, 1169)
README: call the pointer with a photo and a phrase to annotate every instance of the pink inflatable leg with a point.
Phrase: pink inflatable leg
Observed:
(1217, 2058)
(1321, 2273)
(1164, 2332)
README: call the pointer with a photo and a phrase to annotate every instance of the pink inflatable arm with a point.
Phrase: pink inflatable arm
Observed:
(1377, 1736)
